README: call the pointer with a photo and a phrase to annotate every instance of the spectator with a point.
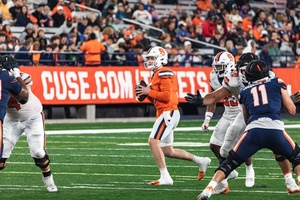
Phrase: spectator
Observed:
(92, 49)
(62, 57)
(36, 56)
(247, 22)
(39, 15)
(297, 66)
(204, 5)
(274, 51)
(196, 58)
(22, 17)
(16, 9)
(197, 20)
(124, 57)
(59, 17)
(71, 58)
(209, 26)
(170, 29)
(261, 18)
(29, 30)
(264, 56)
(234, 15)
(83, 23)
(251, 47)
(4, 11)
(244, 11)
(7, 31)
(199, 37)
(65, 8)
(142, 15)
(41, 35)
(23, 56)
(47, 56)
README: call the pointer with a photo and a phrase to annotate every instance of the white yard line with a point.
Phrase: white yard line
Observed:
(134, 130)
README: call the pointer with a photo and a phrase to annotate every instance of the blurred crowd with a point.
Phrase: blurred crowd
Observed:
(106, 39)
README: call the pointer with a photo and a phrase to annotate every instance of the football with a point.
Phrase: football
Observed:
(141, 97)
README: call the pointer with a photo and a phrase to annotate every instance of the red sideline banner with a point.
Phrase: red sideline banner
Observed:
(115, 85)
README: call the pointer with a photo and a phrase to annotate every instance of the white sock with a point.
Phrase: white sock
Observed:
(197, 160)
(288, 175)
(213, 184)
(164, 174)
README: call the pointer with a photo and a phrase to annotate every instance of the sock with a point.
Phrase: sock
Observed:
(197, 160)
(288, 176)
(249, 167)
(164, 174)
(213, 184)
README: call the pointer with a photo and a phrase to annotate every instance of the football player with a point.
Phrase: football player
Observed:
(261, 102)
(222, 61)
(10, 85)
(162, 92)
(27, 118)
(233, 82)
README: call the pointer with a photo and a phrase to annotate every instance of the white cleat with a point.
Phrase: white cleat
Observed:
(221, 188)
(203, 166)
(291, 186)
(49, 183)
(206, 193)
(162, 182)
(250, 174)
(233, 175)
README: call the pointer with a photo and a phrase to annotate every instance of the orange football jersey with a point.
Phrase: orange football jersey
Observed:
(164, 89)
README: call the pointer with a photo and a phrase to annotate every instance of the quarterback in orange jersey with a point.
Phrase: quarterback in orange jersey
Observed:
(162, 92)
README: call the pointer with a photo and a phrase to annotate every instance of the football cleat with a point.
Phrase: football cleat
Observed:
(233, 175)
(49, 183)
(291, 186)
(221, 188)
(161, 182)
(249, 181)
(206, 193)
(203, 166)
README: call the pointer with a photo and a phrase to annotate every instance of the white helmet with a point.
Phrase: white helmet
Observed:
(223, 61)
(160, 56)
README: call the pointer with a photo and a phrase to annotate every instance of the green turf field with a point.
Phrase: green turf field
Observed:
(118, 165)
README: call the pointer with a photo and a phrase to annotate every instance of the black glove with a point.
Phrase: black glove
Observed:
(194, 99)
(8, 62)
(296, 97)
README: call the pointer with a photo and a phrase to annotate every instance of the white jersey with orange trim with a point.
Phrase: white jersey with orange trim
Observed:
(21, 112)
(230, 103)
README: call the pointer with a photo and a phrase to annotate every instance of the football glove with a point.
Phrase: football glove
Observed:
(208, 116)
(15, 72)
(194, 99)
(296, 97)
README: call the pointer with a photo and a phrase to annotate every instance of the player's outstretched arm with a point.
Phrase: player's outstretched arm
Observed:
(288, 103)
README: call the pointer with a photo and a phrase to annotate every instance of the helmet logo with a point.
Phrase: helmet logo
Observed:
(161, 51)
(258, 67)
(229, 55)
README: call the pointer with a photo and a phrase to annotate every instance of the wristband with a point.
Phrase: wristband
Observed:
(208, 115)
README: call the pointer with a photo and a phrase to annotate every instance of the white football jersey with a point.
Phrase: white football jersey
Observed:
(230, 103)
(22, 112)
(233, 83)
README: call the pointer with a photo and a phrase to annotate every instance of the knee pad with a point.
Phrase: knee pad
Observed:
(42, 162)
(2, 163)
(279, 158)
(221, 159)
(295, 158)
(230, 164)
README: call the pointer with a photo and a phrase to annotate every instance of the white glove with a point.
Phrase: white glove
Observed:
(16, 72)
(208, 116)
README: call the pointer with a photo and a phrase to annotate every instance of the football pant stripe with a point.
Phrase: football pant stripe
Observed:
(240, 141)
(289, 139)
(161, 128)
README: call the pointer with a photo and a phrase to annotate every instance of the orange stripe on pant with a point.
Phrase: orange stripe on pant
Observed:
(160, 130)
(289, 139)
(240, 141)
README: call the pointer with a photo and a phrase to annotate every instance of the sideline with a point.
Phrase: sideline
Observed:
(135, 130)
